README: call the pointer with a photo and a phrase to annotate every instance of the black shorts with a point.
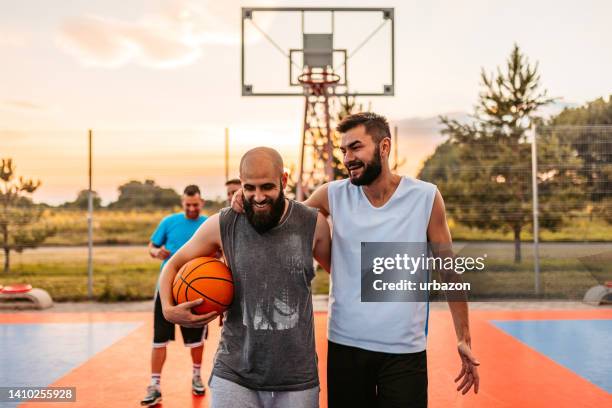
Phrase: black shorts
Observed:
(163, 330)
(361, 378)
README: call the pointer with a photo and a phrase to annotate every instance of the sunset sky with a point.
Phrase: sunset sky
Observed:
(158, 81)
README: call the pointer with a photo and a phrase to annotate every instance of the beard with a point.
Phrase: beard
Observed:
(263, 222)
(371, 169)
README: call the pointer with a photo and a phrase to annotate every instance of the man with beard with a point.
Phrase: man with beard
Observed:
(376, 350)
(266, 355)
(171, 233)
(381, 361)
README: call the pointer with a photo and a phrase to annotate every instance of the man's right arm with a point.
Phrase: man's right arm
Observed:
(158, 240)
(158, 252)
(319, 199)
(205, 242)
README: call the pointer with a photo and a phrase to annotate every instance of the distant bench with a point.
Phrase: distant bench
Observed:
(23, 296)
(599, 295)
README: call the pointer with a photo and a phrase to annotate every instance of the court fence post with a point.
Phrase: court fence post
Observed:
(90, 227)
(536, 226)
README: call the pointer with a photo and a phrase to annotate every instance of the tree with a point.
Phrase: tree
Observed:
(582, 127)
(137, 195)
(441, 164)
(20, 225)
(82, 202)
(490, 184)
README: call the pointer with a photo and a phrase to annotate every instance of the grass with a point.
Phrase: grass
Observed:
(128, 273)
(120, 273)
(125, 272)
(135, 228)
(109, 227)
(564, 278)
(578, 228)
(567, 270)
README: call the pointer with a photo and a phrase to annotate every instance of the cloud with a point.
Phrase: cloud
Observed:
(172, 37)
(23, 105)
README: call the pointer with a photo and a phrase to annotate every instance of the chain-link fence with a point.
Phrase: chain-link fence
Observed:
(544, 210)
(138, 177)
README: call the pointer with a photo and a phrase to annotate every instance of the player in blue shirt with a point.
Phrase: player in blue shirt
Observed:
(171, 234)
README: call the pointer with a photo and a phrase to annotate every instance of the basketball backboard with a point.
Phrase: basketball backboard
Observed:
(278, 44)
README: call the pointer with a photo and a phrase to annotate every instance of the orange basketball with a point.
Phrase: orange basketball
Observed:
(205, 278)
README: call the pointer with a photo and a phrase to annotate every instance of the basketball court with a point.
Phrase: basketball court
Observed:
(550, 355)
(530, 358)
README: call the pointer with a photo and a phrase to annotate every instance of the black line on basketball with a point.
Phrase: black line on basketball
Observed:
(209, 298)
(189, 273)
(200, 293)
(212, 277)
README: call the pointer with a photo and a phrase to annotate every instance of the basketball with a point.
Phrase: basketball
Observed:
(206, 278)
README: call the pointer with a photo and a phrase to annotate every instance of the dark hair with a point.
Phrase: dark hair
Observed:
(375, 125)
(232, 181)
(191, 190)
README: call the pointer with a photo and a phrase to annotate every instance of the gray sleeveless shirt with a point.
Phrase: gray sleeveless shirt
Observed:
(267, 341)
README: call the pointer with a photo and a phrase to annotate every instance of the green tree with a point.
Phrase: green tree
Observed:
(135, 195)
(583, 127)
(489, 185)
(439, 167)
(82, 202)
(20, 218)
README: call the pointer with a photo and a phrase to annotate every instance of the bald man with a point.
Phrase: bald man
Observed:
(266, 355)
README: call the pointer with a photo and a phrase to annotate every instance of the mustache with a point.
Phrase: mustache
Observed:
(265, 201)
(353, 163)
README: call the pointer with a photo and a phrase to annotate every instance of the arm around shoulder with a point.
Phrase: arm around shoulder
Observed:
(322, 243)
(319, 199)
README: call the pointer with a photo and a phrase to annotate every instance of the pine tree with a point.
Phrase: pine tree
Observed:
(491, 187)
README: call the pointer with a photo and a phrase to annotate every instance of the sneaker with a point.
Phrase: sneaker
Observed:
(153, 396)
(197, 386)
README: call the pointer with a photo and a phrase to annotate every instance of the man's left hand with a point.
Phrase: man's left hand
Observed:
(469, 369)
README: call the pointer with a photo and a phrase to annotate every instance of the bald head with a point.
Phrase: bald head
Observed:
(263, 181)
(261, 162)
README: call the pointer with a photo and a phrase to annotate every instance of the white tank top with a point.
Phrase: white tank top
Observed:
(391, 327)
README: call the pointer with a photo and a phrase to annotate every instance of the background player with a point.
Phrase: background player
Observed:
(232, 186)
(171, 234)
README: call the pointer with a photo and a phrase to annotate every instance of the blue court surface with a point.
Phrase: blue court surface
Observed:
(529, 358)
(40, 354)
(583, 346)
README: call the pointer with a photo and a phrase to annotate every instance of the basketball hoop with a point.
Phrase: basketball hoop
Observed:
(318, 82)
(320, 56)
(323, 78)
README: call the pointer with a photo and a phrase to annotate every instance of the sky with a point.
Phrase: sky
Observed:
(158, 81)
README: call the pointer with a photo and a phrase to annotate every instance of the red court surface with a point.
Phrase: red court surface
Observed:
(512, 374)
